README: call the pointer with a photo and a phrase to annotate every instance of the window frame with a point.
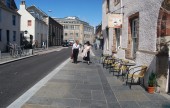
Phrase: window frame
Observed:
(0, 34)
(29, 23)
(8, 3)
(118, 32)
(107, 6)
(13, 20)
(65, 34)
(77, 34)
(116, 2)
(130, 52)
(14, 35)
(135, 35)
(0, 15)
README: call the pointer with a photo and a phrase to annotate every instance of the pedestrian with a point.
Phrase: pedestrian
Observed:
(75, 51)
(95, 45)
(86, 52)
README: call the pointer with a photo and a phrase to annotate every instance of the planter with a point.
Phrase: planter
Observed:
(151, 90)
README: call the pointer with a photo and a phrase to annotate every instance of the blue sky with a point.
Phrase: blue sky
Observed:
(87, 10)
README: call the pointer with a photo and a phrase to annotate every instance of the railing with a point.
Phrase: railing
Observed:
(16, 51)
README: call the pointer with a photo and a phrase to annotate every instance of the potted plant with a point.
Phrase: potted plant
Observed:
(152, 83)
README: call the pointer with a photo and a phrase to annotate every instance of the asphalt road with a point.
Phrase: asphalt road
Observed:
(17, 77)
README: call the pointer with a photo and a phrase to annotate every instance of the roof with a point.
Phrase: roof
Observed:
(12, 9)
(38, 10)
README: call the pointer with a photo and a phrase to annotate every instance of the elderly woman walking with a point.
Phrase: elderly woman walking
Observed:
(75, 51)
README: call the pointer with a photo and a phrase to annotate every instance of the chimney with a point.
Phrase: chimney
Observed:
(22, 2)
(22, 5)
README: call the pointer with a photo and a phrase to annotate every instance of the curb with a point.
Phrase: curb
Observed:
(35, 54)
(17, 59)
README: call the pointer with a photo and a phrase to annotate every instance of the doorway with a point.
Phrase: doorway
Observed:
(163, 41)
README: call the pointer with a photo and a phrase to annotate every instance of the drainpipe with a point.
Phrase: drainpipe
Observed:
(121, 11)
(167, 82)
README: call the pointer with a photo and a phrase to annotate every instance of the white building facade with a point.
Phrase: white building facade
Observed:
(33, 24)
(9, 25)
(143, 37)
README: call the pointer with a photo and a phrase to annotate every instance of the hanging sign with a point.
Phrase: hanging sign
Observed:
(115, 20)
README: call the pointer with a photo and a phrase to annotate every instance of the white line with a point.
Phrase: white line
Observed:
(18, 103)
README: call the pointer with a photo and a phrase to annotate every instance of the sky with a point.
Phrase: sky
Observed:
(87, 10)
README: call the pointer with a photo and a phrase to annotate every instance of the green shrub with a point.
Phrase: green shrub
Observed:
(152, 80)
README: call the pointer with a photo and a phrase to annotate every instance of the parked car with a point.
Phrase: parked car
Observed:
(65, 44)
(70, 44)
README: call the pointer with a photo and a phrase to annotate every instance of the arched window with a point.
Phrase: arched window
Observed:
(163, 26)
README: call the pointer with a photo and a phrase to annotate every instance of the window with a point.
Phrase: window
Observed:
(107, 40)
(65, 34)
(76, 27)
(29, 23)
(13, 20)
(107, 6)
(8, 3)
(116, 2)
(0, 35)
(117, 37)
(0, 15)
(14, 35)
(77, 34)
(135, 32)
(133, 36)
(71, 34)
(72, 27)
(65, 27)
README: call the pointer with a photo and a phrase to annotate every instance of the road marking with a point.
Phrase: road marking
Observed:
(18, 103)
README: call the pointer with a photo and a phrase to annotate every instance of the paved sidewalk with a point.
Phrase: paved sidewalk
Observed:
(90, 86)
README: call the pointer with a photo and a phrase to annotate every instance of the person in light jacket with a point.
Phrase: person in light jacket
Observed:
(75, 51)
(86, 52)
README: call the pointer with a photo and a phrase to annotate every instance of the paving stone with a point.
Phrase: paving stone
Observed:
(89, 87)
(39, 106)
(92, 82)
(154, 104)
(81, 94)
(110, 97)
(120, 88)
(67, 81)
(154, 97)
(40, 100)
(98, 104)
(106, 86)
(53, 93)
(98, 95)
(85, 104)
(114, 105)
(129, 104)
(128, 95)
(66, 103)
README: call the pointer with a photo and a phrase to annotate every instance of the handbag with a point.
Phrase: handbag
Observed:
(84, 58)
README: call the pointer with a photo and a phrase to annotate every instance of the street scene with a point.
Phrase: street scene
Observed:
(85, 54)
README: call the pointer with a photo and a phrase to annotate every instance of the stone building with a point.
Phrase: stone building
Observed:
(55, 32)
(76, 29)
(9, 24)
(143, 36)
